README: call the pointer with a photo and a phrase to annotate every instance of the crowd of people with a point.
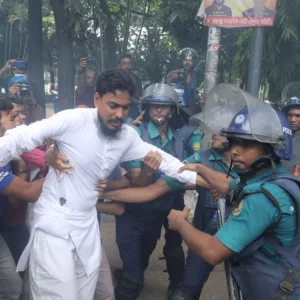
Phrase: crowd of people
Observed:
(132, 153)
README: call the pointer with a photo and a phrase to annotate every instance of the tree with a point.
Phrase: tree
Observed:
(281, 60)
(64, 39)
(35, 57)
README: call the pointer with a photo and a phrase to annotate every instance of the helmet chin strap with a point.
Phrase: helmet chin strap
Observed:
(264, 162)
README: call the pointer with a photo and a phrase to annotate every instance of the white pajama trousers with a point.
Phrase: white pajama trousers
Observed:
(56, 271)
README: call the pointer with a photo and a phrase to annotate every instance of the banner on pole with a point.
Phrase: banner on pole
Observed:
(239, 13)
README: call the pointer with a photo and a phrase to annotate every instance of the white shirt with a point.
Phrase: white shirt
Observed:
(66, 208)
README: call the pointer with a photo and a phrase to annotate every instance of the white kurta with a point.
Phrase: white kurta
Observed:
(67, 208)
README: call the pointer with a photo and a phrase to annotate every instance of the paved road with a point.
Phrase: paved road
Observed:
(156, 282)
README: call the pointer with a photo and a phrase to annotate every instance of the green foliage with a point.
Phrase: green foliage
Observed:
(281, 60)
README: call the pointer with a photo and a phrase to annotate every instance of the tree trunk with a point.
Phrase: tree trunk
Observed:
(25, 48)
(21, 41)
(65, 55)
(10, 39)
(274, 92)
(127, 26)
(6, 43)
(109, 38)
(140, 32)
(35, 50)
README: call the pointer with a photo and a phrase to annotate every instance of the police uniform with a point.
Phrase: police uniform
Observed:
(196, 269)
(263, 228)
(138, 230)
(190, 88)
(250, 231)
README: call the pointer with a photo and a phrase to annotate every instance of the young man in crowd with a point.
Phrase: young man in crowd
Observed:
(101, 143)
(13, 191)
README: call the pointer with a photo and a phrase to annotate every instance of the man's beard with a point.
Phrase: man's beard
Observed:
(107, 131)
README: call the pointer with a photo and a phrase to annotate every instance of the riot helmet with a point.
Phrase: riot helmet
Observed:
(236, 114)
(161, 94)
(290, 97)
(188, 54)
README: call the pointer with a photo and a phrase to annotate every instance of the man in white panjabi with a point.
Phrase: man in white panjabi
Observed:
(64, 251)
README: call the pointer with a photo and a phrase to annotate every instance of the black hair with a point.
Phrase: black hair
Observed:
(126, 55)
(5, 106)
(16, 100)
(112, 80)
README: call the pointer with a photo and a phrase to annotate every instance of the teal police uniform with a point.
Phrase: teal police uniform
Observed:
(197, 270)
(255, 214)
(192, 150)
(140, 227)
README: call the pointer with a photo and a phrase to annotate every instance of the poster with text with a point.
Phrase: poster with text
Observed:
(239, 13)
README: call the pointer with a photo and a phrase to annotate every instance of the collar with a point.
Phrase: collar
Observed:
(215, 156)
(154, 133)
(266, 173)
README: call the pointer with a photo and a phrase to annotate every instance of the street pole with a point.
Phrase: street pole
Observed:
(212, 59)
(255, 62)
(211, 70)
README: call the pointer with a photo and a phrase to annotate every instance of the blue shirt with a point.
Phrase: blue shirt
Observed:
(5, 179)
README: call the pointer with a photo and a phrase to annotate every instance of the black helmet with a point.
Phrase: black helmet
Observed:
(188, 53)
(290, 97)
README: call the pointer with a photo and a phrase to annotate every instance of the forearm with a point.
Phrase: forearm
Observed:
(34, 191)
(111, 208)
(2, 71)
(117, 184)
(214, 179)
(25, 191)
(202, 182)
(140, 181)
(202, 244)
(139, 194)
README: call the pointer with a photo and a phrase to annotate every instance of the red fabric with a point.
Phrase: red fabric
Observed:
(36, 157)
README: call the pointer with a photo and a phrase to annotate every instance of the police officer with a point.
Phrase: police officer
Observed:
(138, 230)
(261, 237)
(197, 270)
(184, 82)
(291, 108)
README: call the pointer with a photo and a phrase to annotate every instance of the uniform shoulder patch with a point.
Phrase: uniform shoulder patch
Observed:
(238, 209)
(196, 146)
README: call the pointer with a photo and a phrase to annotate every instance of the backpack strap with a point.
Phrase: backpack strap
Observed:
(205, 155)
(186, 131)
(181, 139)
(145, 134)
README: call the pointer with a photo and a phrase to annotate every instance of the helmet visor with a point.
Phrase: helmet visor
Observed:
(290, 91)
(222, 108)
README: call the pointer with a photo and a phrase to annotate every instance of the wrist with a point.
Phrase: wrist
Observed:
(180, 223)
(23, 171)
(146, 173)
